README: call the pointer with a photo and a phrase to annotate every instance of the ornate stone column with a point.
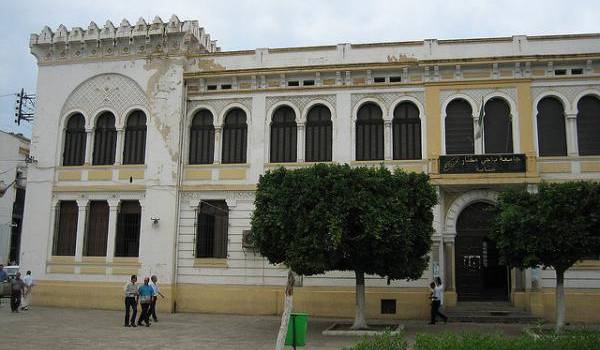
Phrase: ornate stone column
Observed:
(300, 143)
(571, 131)
(112, 229)
(52, 233)
(218, 154)
(89, 139)
(120, 145)
(449, 266)
(387, 140)
(81, 218)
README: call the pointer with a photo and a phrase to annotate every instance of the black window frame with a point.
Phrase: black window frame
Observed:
(65, 228)
(202, 138)
(129, 222)
(134, 147)
(235, 137)
(369, 133)
(75, 141)
(105, 140)
(406, 132)
(588, 125)
(318, 137)
(284, 136)
(212, 229)
(551, 128)
(96, 232)
(458, 127)
(497, 127)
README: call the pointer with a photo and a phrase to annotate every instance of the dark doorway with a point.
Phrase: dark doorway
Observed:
(479, 274)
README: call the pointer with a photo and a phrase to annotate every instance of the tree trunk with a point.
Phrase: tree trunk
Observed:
(287, 310)
(359, 318)
(560, 300)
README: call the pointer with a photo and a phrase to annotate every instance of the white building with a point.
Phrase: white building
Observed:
(150, 141)
(14, 149)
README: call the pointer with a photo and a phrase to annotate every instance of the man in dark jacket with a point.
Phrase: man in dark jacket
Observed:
(17, 288)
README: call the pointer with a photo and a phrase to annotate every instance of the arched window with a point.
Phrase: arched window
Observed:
(235, 137)
(202, 138)
(318, 135)
(75, 138)
(459, 127)
(105, 140)
(127, 239)
(497, 127)
(552, 139)
(283, 135)
(406, 129)
(134, 150)
(588, 125)
(369, 132)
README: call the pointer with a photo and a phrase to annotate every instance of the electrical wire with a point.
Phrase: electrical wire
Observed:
(13, 94)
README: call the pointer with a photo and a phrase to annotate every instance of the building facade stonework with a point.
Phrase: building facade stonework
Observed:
(150, 141)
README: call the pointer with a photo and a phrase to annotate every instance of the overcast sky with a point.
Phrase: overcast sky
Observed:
(245, 24)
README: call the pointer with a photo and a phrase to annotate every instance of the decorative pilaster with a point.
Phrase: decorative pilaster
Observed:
(387, 139)
(571, 128)
(51, 232)
(120, 147)
(88, 146)
(218, 155)
(81, 218)
(300, 143)
(449, 263)
(112, 229)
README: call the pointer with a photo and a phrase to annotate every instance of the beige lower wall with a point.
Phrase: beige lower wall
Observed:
(89, 295)
(583, 305)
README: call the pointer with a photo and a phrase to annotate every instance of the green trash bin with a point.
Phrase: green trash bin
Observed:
(297, 326)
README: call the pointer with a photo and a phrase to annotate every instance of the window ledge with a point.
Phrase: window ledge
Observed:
(210, 262)
(217, 166)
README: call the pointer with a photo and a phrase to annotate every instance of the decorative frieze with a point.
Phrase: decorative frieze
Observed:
(218, 105)
(300, 101)
(155, 39)
(387, 98)
(478, 94)
(570, 92)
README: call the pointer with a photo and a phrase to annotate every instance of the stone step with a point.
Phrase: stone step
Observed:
(489, 312)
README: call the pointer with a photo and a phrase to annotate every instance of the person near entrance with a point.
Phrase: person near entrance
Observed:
(436, 297)
(131, 299)
(146, 293)
(17, 287)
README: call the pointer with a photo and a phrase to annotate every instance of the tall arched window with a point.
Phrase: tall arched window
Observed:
(235, 137)
(283, 135)
(459, 127)
(134, 150)
(202, 138)
(406, 129)
(75, 138)
(105, 140)
(497, 127)
(588, 125)
(369, 132)
(552, 139)
(318, 135)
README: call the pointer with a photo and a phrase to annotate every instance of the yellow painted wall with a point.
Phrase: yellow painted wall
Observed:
(583, 305)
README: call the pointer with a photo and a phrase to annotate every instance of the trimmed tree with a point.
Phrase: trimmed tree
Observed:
(334, 217)
(555, 227)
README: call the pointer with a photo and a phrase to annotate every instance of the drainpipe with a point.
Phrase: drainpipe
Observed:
(178, 196)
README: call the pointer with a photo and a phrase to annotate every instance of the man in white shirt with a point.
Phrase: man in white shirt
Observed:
(436, 297)
(26, 298)
(154, 284)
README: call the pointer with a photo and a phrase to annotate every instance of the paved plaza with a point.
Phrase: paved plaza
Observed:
(60, 328)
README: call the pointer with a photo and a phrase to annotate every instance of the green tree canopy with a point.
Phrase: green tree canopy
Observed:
(334, 217)
(555, 227)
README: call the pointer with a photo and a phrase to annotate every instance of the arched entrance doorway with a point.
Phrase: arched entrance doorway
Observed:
(479, 275)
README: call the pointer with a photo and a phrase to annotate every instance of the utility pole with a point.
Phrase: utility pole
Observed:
(24, 107)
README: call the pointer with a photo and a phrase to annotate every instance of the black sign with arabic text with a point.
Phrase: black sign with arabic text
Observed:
(482, 163)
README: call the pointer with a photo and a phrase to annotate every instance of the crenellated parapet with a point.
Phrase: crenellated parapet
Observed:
(172, 38)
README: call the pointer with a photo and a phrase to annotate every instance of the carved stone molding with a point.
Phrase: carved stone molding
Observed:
(113, 91)
(569, 91)
(226, 195)
(172, 38)
(478, 94)
(219, 104)
(300, 101)
(387, 98)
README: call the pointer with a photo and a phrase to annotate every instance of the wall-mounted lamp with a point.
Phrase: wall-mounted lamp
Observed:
(154, 220)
